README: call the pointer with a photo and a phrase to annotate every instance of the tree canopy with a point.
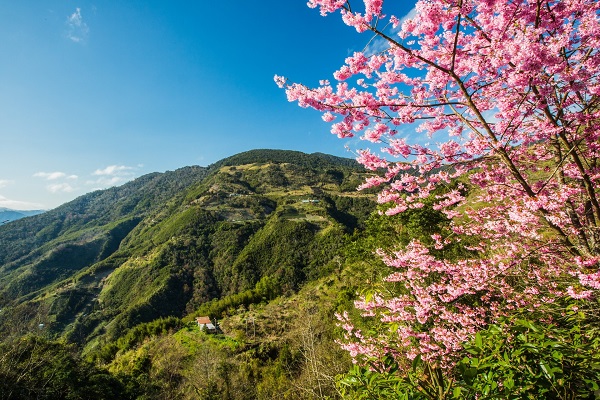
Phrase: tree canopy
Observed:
(491, 108)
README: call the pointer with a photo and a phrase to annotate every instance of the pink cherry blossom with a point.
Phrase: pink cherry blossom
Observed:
(506, 94)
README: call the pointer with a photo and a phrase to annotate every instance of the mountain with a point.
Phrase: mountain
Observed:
(258, 224)
(8, 215)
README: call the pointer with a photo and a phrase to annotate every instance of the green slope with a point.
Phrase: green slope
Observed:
(167, 244)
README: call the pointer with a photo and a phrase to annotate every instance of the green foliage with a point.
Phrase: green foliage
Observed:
(548, 353)
(278, 249)
(115, 270)
(226, 245)
(523, 357)
(136, 336)
(316, 160)
(35, 368)
(519, 357)
(366, 383)
(192, 221)
(352, 212)
(382, 379)
(197, 233)
(23, 237)
(266, 289)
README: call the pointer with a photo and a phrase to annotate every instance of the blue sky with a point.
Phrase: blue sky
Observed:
(96, 93)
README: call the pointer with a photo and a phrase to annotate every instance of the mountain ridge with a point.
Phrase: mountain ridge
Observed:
(166, 243)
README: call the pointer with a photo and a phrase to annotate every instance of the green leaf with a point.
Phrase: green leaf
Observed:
(417, 362)
(473, 350)
(527, 324)
(494, 329)
(548, 373)
(478, 340)
(456, 392)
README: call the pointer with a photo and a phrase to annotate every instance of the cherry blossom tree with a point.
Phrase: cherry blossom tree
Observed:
(502, 97)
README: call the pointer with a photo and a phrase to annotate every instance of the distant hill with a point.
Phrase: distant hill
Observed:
(8, 215)
(168, 243)
(314, 160)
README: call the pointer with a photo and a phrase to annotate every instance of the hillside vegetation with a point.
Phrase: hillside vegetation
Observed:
(257, 241)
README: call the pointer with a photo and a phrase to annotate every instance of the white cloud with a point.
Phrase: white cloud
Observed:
(77, 29)
(378, 44)
(409, 15)
(60, 188)
(50, 176)
(19, 205)
(112, 175)
(113, 170)
(59, 179)
(5, 182)
(107, 181)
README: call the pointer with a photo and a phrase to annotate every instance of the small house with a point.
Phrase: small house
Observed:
(204, 323)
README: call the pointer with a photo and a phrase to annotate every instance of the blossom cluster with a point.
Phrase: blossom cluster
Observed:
(509, 95)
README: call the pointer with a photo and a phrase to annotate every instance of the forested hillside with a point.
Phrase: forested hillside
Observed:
(255, 242)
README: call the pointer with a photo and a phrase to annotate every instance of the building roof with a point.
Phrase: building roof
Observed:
(203, 320)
